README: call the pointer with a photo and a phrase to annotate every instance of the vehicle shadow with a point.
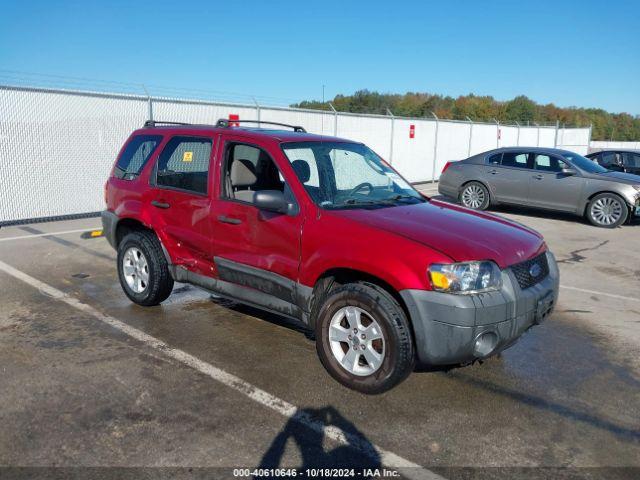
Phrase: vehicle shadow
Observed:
(536, 212)
(307, 430)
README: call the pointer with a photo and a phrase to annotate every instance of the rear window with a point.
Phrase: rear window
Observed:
(135, 156)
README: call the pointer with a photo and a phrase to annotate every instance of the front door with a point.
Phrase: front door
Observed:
(552, 189)
(255, 248)
(178, 200)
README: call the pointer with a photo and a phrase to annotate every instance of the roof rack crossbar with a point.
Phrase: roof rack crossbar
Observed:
(226, 123)
(153, 123)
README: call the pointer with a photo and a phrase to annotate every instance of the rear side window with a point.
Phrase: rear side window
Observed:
(514, 159)
(184, 164)
(135, 156)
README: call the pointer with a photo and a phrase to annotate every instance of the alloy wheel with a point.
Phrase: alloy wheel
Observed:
(356, 341)
(473, 196)
(606, 211)
(135, 269)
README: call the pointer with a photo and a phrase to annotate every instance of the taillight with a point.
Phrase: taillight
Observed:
(444, 169)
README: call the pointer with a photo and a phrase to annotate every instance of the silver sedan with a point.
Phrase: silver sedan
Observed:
(545, 178)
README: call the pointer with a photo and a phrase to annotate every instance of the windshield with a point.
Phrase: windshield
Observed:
(584, 163)
(348, 175)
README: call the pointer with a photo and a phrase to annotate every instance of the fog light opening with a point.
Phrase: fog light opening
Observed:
(485, 344)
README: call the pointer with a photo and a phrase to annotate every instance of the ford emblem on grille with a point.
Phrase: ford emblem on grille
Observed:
(535, 270)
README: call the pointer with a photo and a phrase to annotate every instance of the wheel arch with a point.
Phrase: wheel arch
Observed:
(336, 277)
(600, 192)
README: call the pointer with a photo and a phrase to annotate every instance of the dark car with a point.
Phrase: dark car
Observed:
(323, 231)
(618, 160)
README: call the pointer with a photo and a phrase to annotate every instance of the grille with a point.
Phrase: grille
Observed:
(523, 270)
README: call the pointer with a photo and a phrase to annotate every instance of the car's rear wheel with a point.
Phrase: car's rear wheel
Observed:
(363, 338)
(607, 210)
(475, 195)
(143, 270)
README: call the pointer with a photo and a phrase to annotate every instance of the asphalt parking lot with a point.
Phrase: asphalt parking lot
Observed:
(90, 379)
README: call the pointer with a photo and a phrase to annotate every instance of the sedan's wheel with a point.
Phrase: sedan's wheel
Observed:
(142, 268)
(475, 195)
(607, 210)
(363, 337)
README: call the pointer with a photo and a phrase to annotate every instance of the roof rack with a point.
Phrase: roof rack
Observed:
(153, 123)
(226, 123)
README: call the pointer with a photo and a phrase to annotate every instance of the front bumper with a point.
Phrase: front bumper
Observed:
(446, 325)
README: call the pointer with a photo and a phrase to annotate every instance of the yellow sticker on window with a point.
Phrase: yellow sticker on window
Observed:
(187, 156)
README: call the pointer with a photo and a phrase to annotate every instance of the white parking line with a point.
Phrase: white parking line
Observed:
(387, 459)
(595, 292)
(48, 234)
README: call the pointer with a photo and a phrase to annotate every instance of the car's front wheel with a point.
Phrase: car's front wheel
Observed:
(607, 210)
(363, 338)
(142, 269)
(475, 195)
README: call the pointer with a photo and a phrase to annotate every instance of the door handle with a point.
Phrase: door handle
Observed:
(158, 204)
(493, 172)
(232, 221)
(538, 177)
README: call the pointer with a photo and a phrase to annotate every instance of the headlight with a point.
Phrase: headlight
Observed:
(637, 187)
(467, 277)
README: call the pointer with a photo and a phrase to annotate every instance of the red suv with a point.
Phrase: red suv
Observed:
(322, 230)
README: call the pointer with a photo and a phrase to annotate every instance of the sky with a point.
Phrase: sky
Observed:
(571, 53)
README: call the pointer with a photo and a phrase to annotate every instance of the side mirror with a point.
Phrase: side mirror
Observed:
(271, 200)
(568, 171)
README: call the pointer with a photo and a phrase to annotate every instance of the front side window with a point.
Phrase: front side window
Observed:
(249, 169)
(547, 163)
(135, 156)
(610, 158)
(184, 164)
(347, 175)
(515, 159)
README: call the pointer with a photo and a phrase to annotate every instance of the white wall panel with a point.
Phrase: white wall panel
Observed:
(483, 138)
(413, 157)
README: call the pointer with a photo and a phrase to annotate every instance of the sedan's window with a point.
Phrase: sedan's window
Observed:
(494, 159)
(631, 159)
(547, 163)
(515, 159)
(610, 158)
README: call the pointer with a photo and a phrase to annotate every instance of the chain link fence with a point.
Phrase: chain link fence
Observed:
(57, 146)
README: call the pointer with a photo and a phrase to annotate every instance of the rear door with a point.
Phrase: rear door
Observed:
(255, 248)
(178, 200)
(510, 179)
(552, 189)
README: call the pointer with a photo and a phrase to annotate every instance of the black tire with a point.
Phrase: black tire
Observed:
(594, 210)
(479, 190)
(160, 282)
(399, 356)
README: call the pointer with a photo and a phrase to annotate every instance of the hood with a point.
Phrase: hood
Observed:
(459, 233)
(620, 177)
